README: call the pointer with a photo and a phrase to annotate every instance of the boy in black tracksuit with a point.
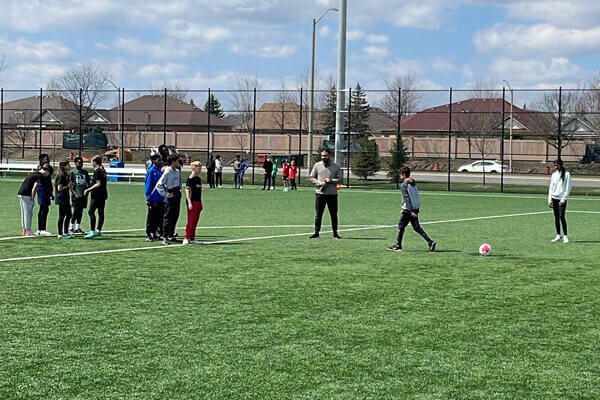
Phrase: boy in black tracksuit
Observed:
(410, 211)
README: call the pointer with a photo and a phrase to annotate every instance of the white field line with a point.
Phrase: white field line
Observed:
(262, 237)
(183, 228)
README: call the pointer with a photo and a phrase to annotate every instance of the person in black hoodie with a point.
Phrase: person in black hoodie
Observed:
(411, 202)
(268, 167)
(45, 196)
(210, 172)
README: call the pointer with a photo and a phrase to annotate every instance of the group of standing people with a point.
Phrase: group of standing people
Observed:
(289, 171)
(70, 190)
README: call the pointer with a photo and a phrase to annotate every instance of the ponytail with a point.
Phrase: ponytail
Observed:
(561, 166)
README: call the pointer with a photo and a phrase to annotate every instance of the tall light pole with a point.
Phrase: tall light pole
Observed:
(511, 127)
(341, 84)
(312, 89)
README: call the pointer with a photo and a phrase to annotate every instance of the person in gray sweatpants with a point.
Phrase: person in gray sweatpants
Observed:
(411, 202)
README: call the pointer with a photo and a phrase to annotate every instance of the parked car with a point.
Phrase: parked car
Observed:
(479, 166)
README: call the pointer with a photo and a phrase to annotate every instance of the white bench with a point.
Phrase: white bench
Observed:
(26, 168)
(21, 168)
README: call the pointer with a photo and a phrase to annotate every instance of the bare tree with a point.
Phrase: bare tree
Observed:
(24, 128)
(284, 100)
(85, 87)
(591, 100)
(410, 101)
(547, 121)
(174, 90)
(242, 99)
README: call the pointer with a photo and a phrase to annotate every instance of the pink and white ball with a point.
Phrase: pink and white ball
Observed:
(485, 249)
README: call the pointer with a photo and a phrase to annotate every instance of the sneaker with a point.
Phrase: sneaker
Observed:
(395, 247)
(23, 233)
(556, 239)
(149, 239)
(44, 233)
(166, 241)
(336, 236)
(98, 233)
(565, 239)
(432, 246)
(68, 236)
(314, 235)
(194, 241)
(65, 236)
(29, 234)
(185, 241)
(241, 187)
(90, 235)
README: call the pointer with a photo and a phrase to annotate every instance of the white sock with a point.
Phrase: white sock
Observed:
(70, 226)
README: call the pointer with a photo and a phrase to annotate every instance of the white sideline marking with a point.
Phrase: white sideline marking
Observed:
(183, 228)
(85, 253)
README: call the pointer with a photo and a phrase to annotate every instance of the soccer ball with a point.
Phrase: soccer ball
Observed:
(485, 249)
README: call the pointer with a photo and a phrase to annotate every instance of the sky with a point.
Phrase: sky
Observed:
(199, 44)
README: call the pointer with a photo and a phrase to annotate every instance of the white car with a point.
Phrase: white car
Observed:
(488, 165)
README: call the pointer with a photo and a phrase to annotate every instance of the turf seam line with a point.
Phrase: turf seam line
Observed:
(107, 251)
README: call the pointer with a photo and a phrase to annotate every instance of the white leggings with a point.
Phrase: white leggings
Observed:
(26, 212)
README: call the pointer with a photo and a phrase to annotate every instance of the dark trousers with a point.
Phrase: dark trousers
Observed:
(242, 178)
(293, 183)
(154, 220)
(97, 205)
(64, 217)
(237, 179)
(559, 216)
(331, 201)
(171, 215)
(78, 207)
(43, 217)
(210, 176)
(267, 182)
(218, 178)
(407, 218)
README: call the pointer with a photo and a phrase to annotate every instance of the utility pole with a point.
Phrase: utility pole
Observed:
(510, 128)
(341, 85)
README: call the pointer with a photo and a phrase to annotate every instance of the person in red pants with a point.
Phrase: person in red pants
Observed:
(193, 196)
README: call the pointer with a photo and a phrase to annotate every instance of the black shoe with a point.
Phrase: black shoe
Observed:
(432, 246)
(166, 242)
(336, 236)
(149, 239)
(174, 240)
(314, 235)
(395, 247)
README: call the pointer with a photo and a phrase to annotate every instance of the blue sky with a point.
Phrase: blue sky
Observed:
(200, 44)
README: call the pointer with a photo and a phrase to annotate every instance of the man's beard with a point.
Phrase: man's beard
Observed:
(326, 161)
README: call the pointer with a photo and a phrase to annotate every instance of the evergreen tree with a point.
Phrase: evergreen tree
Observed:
(361, 113)
(400, 156)
(213, 106)
(327, 116)
(366, 161)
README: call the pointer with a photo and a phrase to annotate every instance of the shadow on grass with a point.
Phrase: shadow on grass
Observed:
(586, 241)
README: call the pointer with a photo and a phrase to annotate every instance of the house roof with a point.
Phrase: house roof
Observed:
(55, 110)
(149, 110)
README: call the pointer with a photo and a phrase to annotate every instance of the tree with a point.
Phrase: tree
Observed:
(400, 156)
(174, 90)
(213, 106)
(284, 96)
(366, 161)
(327, 116)
(242, 99)
(410, 100)
(25, 130)
(358, 122)
(93, 82)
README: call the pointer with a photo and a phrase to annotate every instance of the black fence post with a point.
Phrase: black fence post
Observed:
(449, 138)
(502, 142)
(80, 121)
(398, 138)
(301, 160)
(40, 118)
(1, 124)
(559, 122)
(349, 134)
(253, 136)
(165, 119)
(208, 125)
(122, 127)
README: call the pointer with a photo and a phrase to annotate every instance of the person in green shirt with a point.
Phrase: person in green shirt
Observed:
(273, 175)
(81, 181)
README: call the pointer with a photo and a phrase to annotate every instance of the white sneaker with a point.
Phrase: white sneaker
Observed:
(195, 242)
(185, 241)
(241, 187)
(556, 239)
(565, 239)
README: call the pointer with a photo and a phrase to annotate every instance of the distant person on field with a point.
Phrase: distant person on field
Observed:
(237, 173)
(27, 193)
(63, 187)
(45, 196)
(285, 175)
(325, 175)
(293, 172)
(243, 172)
(169, 187)
(273, 175)
(99, 195)
(154, 200)
(268, 168)
(210, 171)
(411, 202)
(81, 181)
(219, 171)
(193, 197)
(558, 193)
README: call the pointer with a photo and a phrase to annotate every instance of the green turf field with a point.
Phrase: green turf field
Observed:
(289, 317)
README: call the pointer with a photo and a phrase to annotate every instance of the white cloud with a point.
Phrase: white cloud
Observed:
(564, 13)
(165, 48)
(376, 51)
(325, 31)
(369, 37)
(23, 49)
(539, 38)
(194, 31)
(155, 71)
(274, 51)
(525, 73)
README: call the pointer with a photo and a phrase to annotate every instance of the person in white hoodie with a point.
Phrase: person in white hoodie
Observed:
(558, 193)
(219, 172)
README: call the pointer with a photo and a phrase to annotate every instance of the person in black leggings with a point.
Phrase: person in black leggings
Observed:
(99, 195)
(63, 187)
(558, 193)
(45, 197)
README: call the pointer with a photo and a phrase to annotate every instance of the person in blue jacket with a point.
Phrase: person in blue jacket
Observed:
(154, 200)
(243, 172)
